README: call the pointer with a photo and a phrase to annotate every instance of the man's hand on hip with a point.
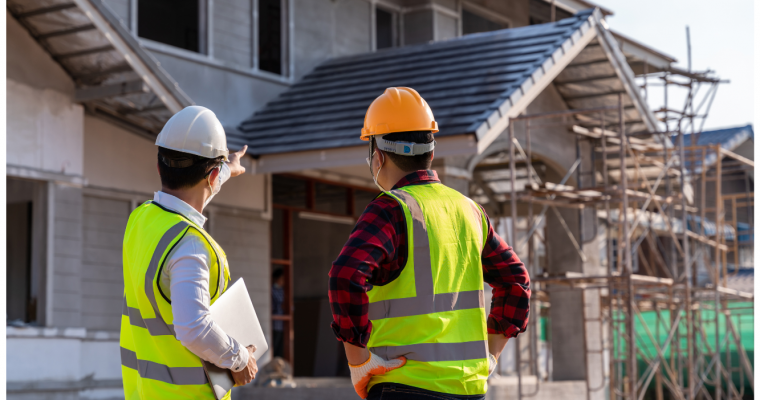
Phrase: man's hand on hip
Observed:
(246, 375)
(362, 373)
(234, 164)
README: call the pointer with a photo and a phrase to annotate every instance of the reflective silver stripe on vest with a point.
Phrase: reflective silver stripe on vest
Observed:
(423, 270)
(160, 372)
(429, 352)
(155, 326)
(422, 305)
(163, 244)
(426, 301)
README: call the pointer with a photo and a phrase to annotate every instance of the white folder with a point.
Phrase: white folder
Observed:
(234, 313)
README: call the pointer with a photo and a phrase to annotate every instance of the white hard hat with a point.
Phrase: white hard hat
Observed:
(195, 130)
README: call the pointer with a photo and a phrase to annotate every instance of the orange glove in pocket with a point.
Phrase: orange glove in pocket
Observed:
(361, 374)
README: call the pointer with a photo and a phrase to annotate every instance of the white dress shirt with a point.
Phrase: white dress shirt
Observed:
(185, 280)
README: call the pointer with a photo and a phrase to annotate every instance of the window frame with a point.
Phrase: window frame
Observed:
(206, 56)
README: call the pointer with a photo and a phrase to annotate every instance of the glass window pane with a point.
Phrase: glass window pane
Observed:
(270, 36)
(383, 28)
(174, 22)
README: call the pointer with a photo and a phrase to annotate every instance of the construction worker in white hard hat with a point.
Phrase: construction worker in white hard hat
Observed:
(406, 291)
(174, 270)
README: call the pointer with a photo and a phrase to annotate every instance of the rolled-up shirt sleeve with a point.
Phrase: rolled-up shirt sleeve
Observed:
(503, 270)
(188, 273)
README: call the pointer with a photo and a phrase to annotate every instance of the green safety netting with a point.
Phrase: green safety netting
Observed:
(743, 322)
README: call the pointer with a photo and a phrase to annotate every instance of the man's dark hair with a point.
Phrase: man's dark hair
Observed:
(411, 163)
(181, 178)
(276, 274)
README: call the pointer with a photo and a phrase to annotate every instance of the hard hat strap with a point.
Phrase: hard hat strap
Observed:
(404, 148)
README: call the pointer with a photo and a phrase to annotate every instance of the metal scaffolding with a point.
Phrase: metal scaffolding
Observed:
(671, 239)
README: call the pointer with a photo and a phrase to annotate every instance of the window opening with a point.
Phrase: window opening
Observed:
(173, 22)
(474, 23)
(270, 36)
(311, 221)
(25, 251)
(383, 29)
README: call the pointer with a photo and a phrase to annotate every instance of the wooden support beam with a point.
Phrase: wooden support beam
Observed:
(69, 31)
(79, 53)
(45, 10)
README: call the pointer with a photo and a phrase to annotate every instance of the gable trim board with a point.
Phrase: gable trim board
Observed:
(296, 119)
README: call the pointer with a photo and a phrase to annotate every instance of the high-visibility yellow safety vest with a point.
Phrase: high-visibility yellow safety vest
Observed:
(154, 364)
(434, 312)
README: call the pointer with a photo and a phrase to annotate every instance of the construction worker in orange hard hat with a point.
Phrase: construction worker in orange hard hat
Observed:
(406, 291)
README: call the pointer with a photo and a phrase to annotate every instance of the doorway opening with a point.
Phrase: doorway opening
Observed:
(25, 206)
(311, 222)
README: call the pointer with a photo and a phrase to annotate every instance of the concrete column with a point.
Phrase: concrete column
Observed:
(568, 307)
(65, 276)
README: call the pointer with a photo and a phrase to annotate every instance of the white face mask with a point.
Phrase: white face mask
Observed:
(374, 176)
(214, 188)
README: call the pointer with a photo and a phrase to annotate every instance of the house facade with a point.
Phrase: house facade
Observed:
(91, 82)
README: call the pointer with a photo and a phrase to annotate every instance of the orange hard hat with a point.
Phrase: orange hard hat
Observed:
(398, 109)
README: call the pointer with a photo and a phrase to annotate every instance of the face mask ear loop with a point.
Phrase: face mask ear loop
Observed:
(378, 174)
(213, 192)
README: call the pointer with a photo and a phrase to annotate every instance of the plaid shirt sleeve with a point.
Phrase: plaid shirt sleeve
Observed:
(373, 254)
(510, 304)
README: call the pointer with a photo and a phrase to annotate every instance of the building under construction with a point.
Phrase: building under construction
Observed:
(636, 226)
(672, 219)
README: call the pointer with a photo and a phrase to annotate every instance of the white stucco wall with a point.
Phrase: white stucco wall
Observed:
(44, 129)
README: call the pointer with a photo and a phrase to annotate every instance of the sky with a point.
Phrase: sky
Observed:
(722, 39)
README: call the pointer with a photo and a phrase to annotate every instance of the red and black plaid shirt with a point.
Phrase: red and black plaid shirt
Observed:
(376, 252)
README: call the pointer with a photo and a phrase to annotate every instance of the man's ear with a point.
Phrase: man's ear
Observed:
(213, 175)
(382, 157)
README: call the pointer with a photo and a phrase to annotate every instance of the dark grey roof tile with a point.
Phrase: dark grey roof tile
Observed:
(469, 82)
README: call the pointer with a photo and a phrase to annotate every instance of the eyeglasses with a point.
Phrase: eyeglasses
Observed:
(371, 152)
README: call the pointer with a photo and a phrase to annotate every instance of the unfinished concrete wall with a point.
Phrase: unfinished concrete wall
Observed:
(324, 29)
(119, 159)
(231, 32)
(233, 95)
(418, 27)
(446, 26)
(516, 11)
(244, 236)
(105, 220)
(66, 280)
